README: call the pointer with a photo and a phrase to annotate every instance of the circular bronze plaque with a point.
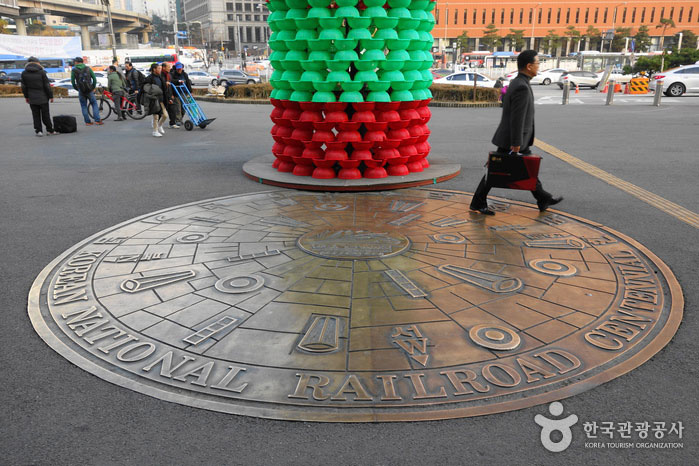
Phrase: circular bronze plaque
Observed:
(356, 307)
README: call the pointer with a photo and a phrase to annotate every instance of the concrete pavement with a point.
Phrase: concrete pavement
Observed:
(57, 191)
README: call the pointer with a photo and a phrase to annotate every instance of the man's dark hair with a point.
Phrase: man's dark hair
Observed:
(112, 68)
(33, 60)
(153, 66)
(115, 60)
(78, 59)
(526, 57)
(128, 63)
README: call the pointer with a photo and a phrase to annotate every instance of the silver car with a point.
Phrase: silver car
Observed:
(236, 77)
(201, 78)
(677, 81)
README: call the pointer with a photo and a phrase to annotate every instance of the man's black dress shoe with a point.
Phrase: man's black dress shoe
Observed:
(483, 210)
(546, 203)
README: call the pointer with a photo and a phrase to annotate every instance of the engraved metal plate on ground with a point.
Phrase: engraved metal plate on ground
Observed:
(390, 306)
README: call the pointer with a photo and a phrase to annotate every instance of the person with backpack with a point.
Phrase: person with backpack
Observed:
(179, 77)
(134, 80)
(37, 93)
(155, 93)
(117, 86)
(84, 81)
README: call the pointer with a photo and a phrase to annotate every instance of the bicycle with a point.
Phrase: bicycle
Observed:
(106, 105)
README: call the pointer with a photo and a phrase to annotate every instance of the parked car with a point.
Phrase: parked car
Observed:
(201, 78)
(677, 81)
(235, 77)
(13, 78)
(547, 77)
(66, 84)
(580, 78)
(466, 79)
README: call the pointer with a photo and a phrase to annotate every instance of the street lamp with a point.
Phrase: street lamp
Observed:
(112, 39)
(613, 24)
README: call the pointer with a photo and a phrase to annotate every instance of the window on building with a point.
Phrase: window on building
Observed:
(229, 7)
(662, 13)
(456, 16)
(474, 15)
(521, 15)
(238, 7)
(623, 16)
(248, 17)
(541, 12)
(587, 15)
(257, 17)
(512, 16)
(231, 17)
(559, 15)
(484, 13)
(436, 16)
(258, 35)
(679, 18)
(633, 16)
(248, 6)
(502, 16)
(492, 16)
(605, 15)
(465, 16)
(652, 14)
(689, 15)
(531, 16)
(577, 16)
(672, 12)
(596, 15)
(248, 33)
(568, 16)
(549, 16)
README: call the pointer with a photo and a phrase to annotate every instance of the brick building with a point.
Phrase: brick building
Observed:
(539, 19)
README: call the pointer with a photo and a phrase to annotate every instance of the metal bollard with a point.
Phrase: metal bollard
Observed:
(610, 92)
(566, 93)
(658, 92)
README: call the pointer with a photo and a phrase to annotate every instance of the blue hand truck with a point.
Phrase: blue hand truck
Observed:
(191, 107)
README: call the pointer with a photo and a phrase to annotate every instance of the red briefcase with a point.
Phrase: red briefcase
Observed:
(513, 171)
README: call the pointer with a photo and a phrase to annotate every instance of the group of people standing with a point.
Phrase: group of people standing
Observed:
(159, 97)
(154, 93)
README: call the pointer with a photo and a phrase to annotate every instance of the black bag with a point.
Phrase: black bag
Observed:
(83, 79)
(65, 124)
(513, 171)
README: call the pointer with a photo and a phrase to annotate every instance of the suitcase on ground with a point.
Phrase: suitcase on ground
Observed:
(65, 124)
(513, 171)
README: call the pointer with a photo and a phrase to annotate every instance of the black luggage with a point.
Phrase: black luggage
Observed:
(65, 124)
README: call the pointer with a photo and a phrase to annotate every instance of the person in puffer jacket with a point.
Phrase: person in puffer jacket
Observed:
(37, 93)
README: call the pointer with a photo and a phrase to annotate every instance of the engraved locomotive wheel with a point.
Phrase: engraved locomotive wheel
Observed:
(391, 306)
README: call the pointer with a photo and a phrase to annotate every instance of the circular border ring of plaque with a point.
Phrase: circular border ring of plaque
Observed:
(373, 323)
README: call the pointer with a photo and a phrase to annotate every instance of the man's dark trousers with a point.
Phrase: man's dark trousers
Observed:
(41, 113)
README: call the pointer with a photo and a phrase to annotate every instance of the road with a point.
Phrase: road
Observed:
(56, 191)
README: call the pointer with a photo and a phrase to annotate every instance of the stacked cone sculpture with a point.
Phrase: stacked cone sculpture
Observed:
(351, 86)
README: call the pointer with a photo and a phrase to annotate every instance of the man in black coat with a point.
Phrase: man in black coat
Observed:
(516, 130)
(37, 93)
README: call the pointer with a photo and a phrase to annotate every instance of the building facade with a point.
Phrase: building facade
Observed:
(539, 19)
(232, 25)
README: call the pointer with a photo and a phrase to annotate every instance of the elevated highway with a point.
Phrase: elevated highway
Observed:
(83, 15)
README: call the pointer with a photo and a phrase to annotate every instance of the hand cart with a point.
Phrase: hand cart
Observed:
(191, 107)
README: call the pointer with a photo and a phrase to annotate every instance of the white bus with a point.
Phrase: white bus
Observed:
(141, 58)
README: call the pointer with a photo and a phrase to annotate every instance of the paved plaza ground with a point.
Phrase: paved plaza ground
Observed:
(57, 191)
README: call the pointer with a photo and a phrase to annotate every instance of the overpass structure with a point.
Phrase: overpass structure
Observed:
(79, 13)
